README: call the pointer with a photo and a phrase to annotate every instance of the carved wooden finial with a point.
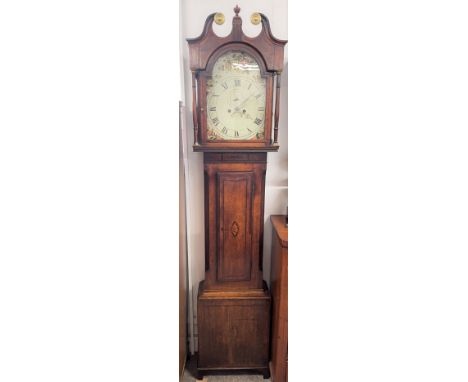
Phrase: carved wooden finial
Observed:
(237, 10)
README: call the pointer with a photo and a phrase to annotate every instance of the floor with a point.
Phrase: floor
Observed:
(238, 376)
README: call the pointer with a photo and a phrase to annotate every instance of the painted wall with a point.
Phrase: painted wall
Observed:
(182, 255)
(193, 14)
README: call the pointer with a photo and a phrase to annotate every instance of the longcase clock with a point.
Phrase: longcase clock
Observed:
(236, 93)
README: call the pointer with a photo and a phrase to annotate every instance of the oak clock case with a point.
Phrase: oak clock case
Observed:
(236, 91)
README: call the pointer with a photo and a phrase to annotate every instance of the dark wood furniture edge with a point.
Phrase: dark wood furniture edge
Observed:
(204, 148)
(279, 225)
(235, 294)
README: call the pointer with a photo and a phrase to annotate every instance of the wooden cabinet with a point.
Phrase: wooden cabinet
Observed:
(233, 330)
(234, 189)
(279, 292)
(233, 87)
(234, 302)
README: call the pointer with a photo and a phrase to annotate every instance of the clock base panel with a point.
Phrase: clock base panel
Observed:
(233, 330)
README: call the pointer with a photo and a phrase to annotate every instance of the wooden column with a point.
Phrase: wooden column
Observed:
(277, 106)
(195, 108)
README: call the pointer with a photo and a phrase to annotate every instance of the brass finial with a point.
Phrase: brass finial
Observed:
(219, 18)
(237, 10)
(256, 18)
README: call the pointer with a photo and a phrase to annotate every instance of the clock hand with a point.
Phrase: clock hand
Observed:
(242, 113)
(237, 109)
(245, 101)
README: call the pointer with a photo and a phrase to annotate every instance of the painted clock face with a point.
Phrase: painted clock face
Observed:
(236, 99)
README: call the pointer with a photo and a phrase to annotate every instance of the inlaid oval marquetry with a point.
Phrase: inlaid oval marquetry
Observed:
(234, 210)
(235, 229)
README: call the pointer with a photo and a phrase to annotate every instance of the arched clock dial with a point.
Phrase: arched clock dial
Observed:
(236, 99)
